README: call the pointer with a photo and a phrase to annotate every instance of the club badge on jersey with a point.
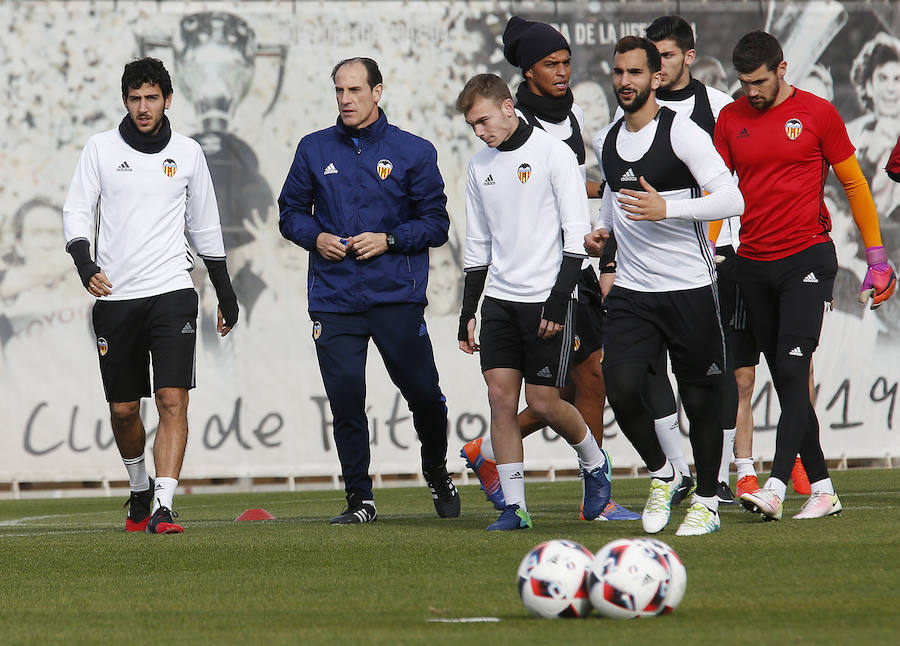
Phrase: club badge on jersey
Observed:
(524, 172)
(793, 128)
(384, 168)
(102, 346)
(170, 167)
(317, 329)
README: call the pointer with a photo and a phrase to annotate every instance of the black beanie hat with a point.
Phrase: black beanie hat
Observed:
(526, 42)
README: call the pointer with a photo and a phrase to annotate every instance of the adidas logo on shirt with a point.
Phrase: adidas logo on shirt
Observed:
(810, 278)
(743, 134)
(330, 170)
(713, 370)
(796, 352)
(187, 329)
(124, 168)
(545, 372)
(489, 181)
(628, 176)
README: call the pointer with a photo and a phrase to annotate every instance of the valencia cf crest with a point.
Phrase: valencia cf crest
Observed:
(577, 343)
(793, 128)
(170, 167)
(102, 346)
(384, 168)
(317, 329)
(524, 172)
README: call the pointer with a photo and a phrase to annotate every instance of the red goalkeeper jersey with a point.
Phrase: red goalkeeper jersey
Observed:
(782, 157)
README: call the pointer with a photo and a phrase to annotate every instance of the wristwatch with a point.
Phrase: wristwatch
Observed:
(391, 241)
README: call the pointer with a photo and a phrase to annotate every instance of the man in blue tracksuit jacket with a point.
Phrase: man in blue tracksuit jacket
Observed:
(366, 200)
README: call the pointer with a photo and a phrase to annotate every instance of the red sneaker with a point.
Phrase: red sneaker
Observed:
(799, 479)
(747, 484)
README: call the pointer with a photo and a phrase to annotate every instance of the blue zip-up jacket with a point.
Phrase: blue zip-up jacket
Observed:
(389, 183)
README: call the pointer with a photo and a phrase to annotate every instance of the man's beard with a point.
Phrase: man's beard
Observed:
(639, 100)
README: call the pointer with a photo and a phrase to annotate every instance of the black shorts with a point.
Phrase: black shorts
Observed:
(640, 325)
(509, 339)
(588, 317)
(786, 298)
(733, 312)
(130, 332)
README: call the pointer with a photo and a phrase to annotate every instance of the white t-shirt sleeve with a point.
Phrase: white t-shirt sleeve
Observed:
(80, 207)
(568, 186)
(477, 252)
(202, 211)
(607, 216)
(724, 200)
(717, 100)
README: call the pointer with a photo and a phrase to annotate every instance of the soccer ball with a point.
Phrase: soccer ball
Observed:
(629, 578)
(678, 581)
(552, 579)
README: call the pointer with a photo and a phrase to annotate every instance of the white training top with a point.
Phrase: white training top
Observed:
(134, 207)
(685, 107)
(524, 209)
(671, 254)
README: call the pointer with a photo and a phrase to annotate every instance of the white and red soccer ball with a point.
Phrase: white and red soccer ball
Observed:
(552, 579)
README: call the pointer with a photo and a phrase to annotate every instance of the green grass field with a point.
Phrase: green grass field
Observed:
(68, 572)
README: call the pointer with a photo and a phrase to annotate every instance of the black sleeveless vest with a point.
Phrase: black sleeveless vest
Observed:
(662, 169)
(575, 142)
(702, 114)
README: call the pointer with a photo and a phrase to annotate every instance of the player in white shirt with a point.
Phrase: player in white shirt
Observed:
(655, 166)
(526, 215)
(135, 190)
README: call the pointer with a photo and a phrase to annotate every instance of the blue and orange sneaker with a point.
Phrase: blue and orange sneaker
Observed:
(615, 511)
(162, 522)
(486, 470)
(596, 486)
(512, 517)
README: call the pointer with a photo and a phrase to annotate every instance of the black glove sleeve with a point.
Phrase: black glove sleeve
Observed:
(218, 276)
(555, 306)
(474, 285)
(80, 250)
(609, 253)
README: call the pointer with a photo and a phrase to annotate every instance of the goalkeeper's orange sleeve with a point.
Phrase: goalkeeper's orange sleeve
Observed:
(862, 205)
(715, 228)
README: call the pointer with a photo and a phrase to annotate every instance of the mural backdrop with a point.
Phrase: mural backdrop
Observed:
(250, 80)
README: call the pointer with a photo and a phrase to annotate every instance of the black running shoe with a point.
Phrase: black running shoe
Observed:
(163, 522)
(443, 493)
(356, 511)
(723, 493)
(685, 489)
(139, 505)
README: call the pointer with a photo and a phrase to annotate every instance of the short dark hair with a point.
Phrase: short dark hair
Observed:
(629, 43)
(146, 70)
(485, 86)
(755, 49)
(373, 74)
(674, 27)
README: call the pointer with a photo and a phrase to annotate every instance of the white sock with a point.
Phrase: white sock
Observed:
(590, 456)
(822, 486)
(776, 485)
(137, 473)
(666, 473)
(487, 448)
(164, 492)
(744, 467)
(727, 453)
(710, 503)
(669, 433)
(512, 483)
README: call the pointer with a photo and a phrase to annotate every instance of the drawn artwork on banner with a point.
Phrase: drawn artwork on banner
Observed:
(250, 80)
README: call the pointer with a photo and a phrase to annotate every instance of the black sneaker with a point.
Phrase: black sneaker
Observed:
(443, 493)
(356, 511)
(139, 505)
(162, 522)
(723, 493)
(685, 489)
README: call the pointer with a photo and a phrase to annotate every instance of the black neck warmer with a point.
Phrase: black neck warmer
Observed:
(145, 143)
(517, 138)
(547, 108)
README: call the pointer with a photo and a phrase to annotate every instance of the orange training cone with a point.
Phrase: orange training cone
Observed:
(254, 514)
